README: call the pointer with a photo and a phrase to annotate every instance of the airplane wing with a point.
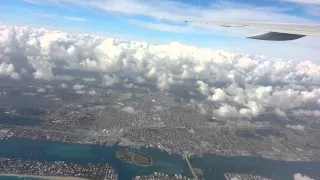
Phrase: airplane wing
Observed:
(271, 31)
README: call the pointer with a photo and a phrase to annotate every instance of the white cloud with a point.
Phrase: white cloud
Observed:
(75, 19)
(237, 84)
(78, 87)
(23, 71)
(139, 79)
(8, 70)
(63, 85)
(203, 87)
(164, 81)
(92, 92)
(245, 112)
(226, 111)
(48, 86)
(164, 27)
(129, 86)
(306, 113)
(57, 17)
(41, 90)
(80, 91)
(63, 78)
(179, 11)
(299, 176)
(202, 109)
(129, 109)
(295, 127)
(317, 2)
(218, 96)
(89, 80)
(110, 80)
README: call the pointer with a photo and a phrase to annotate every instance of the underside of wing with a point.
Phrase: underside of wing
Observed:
(275, 36)
(274, 31)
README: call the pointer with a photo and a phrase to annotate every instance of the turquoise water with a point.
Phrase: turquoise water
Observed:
(214, 166)
(17, 178)
(84, 154)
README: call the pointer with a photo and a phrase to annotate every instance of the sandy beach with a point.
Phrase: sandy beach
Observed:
(44, 177)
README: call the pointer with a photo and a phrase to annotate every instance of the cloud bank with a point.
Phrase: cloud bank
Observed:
(239, 85)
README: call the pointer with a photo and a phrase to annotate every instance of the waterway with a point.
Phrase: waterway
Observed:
(214, 166)
(17, 178)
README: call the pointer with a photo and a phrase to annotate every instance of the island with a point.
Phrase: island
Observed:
(134, 158)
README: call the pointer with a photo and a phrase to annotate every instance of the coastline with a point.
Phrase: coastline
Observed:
(213, 165)
(44, 177)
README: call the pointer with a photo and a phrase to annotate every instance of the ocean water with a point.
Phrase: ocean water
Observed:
(214, 166)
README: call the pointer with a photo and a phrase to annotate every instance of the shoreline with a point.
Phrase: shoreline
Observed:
(194, 155)
(44, 177)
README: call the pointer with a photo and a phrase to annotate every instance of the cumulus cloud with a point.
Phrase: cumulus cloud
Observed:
(239, 85)
(8, 70)
(139, 79)
(92, 92)
(202, 109)
(299, 176)
(110, 80)
(78, 87)
(80, 91)
(63, 85)
(295, 127)
(129, 109)
(129, 86)
(226, 111)
(41, 90)
(23, 71)
(203, 87)
(48, 86)
(63, 78)
(219, 95)
(89, 80)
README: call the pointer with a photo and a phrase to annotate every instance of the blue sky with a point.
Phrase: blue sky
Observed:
(161, 21)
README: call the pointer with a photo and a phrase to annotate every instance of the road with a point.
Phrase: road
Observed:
(193, 173)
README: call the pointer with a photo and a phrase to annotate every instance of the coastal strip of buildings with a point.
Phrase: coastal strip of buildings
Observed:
(57, 168)
(235, 176)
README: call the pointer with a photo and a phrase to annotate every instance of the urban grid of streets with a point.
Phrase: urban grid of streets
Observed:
(143, 118)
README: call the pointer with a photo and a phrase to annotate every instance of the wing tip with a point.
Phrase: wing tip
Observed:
(276, 36)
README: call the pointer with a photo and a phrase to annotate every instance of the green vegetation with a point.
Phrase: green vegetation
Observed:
(134, 158)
